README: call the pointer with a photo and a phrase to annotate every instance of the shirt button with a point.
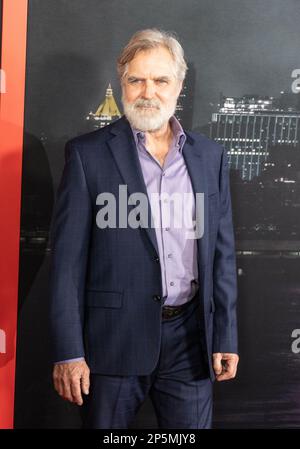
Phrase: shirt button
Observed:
(169, 256)
(171, 283)
(167, 229)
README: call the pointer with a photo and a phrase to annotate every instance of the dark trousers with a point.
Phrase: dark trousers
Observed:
(179, 387)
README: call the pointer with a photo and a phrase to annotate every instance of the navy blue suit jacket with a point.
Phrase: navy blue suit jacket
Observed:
(105, 300)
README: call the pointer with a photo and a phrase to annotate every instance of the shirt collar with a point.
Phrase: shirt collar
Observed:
(179, 136)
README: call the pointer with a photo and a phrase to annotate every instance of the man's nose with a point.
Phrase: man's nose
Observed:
(149, 90)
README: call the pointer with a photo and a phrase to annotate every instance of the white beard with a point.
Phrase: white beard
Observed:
(148, 119)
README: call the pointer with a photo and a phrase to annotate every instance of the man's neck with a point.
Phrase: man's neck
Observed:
(161, 136)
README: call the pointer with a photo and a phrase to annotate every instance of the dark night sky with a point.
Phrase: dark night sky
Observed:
(236, 46)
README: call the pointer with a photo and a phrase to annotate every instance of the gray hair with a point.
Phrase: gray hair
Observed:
(148, 39)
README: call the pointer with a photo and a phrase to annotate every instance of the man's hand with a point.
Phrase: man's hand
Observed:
(71, 379)
(225, 365)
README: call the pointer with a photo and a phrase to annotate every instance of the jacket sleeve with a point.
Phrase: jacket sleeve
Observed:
(69, 237)
(224, 272)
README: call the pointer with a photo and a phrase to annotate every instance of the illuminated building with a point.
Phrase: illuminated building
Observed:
(248, 126)
(106, 113)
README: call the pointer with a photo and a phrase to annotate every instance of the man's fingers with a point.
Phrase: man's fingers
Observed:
(70, 379)
(228, 370)
(66, 389)
(217, 364)
(76, 391)
(56, 384)
(225, 365)
(226, 375)
(62, 386)
(85, 381)
(59, 387)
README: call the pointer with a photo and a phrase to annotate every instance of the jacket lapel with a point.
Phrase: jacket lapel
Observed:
(124, 151)
(193, 157)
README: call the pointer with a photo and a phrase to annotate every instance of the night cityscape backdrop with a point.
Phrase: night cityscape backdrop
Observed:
(238, 91)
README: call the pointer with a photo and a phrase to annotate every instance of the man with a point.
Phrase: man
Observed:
(144, 306)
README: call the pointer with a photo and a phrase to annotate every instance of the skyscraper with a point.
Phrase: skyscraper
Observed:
(249, 126)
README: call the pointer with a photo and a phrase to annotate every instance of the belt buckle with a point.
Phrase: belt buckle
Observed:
(169, 312)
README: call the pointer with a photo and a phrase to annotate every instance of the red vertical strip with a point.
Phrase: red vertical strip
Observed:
(13, 56)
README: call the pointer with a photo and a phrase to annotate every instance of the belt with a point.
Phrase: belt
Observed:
(171, 311)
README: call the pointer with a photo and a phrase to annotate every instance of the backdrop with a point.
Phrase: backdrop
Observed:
(242, 89)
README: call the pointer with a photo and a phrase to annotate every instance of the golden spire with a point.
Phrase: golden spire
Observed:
(108, 108)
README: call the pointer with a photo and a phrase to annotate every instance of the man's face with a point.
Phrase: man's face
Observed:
(150, 89)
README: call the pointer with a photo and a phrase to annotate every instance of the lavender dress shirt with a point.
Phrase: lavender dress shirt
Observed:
(177, 253)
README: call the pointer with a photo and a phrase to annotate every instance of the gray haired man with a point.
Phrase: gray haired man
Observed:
(145, 310)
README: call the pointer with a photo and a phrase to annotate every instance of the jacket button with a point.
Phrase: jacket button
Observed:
(157, 297)
(156, 259)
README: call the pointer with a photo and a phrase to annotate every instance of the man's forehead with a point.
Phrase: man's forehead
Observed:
(154, 63)
(159, 70)
(160, 57)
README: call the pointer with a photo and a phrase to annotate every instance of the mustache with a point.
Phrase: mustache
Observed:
(147, 103)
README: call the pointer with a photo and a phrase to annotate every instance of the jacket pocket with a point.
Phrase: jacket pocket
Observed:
(98, 298)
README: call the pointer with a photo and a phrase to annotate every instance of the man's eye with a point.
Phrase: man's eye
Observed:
(133, 81)
(162, 81)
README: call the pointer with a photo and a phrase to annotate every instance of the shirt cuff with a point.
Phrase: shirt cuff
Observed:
(78, 359)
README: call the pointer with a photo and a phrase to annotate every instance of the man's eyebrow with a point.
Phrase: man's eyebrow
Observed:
(163, 77)
(132, 77)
